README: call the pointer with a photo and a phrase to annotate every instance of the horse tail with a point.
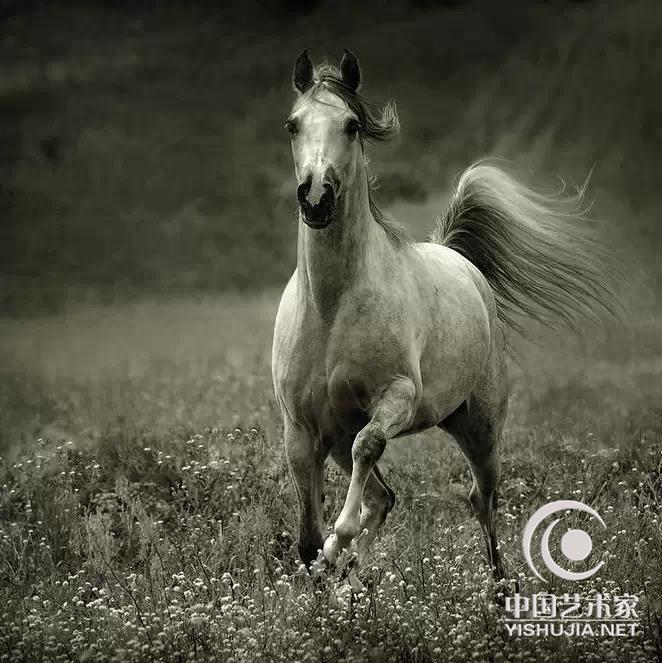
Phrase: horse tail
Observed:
(539, 253)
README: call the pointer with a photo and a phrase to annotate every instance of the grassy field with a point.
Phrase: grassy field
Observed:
(147, 513)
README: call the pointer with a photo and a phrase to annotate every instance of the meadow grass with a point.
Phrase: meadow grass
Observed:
(147, 514)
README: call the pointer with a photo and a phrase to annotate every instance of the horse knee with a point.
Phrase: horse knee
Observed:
(368, 446)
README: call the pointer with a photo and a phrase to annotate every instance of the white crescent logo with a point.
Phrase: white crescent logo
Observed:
(576, 544)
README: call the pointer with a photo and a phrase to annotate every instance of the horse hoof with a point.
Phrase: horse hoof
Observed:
(330, 549)
(320, 566)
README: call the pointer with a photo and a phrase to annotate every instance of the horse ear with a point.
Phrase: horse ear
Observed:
(350, 70)
(302, 76)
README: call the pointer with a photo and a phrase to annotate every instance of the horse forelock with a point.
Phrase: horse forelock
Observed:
(377, 125)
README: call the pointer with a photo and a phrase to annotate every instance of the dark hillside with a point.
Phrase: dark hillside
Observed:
(143, 150)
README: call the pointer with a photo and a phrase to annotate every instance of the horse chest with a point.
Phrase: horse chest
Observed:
(300, 373)
(364, 354)
(330, 375)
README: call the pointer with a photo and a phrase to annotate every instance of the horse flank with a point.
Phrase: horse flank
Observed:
(539, 253)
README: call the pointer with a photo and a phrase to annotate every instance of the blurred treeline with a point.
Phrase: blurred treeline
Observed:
(142, 148)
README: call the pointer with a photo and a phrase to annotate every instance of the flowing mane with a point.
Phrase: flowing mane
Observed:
(377, 126)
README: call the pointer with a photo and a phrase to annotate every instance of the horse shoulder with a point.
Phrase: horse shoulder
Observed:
(285, 358)
(283, 327)
(297, 360)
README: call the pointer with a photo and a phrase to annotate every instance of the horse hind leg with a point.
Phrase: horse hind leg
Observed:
(476, 426)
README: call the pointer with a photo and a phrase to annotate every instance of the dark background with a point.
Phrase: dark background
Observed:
(142, 147)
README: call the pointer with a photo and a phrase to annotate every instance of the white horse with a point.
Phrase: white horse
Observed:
(378, 337)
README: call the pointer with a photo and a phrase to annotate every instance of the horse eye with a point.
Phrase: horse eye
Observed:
(352, 128)
(292, 127)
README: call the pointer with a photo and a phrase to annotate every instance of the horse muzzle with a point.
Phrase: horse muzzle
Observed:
(316, 215)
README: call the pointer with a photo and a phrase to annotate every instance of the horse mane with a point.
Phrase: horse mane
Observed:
(377, 126)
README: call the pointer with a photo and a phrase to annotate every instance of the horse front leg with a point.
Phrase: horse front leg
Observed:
(392, 414)
(378, 499)
(305, 460)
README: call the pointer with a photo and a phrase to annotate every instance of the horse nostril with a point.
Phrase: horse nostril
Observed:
(329, 195)
(303, 190)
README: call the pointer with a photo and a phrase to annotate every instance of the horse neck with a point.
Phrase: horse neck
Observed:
(333, 259)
